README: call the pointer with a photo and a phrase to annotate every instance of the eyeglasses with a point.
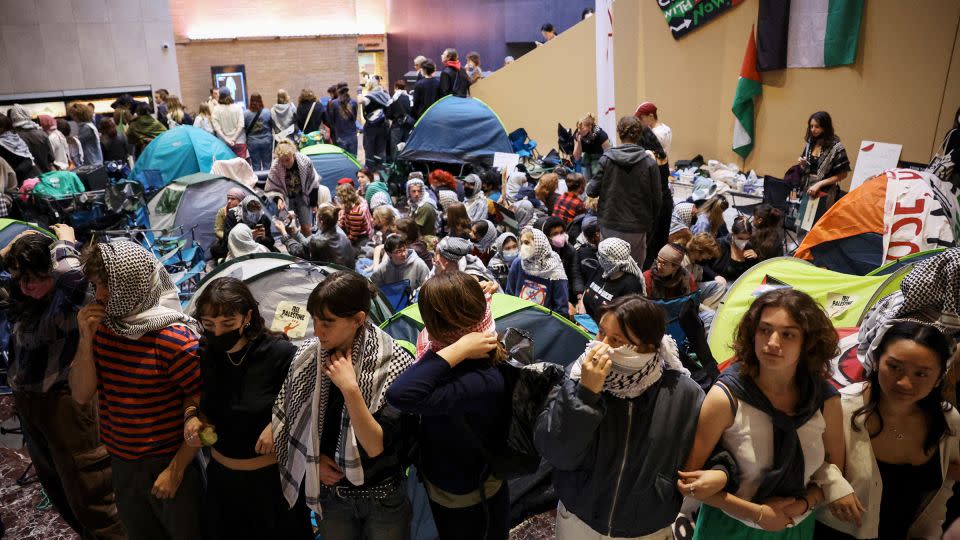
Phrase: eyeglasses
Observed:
(663, 262)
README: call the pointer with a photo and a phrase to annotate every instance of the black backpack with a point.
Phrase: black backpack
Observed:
(529, 384)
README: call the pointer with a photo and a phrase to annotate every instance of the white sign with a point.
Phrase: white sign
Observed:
(873, 159)
(838, 304)
(504, 161)
(291, 319)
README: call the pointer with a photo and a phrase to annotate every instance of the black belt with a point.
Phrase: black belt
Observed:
(380, 491)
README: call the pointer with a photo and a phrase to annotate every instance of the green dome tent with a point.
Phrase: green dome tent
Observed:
(846, 298)
(555, 338)
(282, 284)
(332, 163)
(10, 228)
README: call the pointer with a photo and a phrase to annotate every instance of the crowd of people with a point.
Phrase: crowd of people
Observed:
(118, 389)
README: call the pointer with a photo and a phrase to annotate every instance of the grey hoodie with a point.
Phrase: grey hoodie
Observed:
(628, 185)
(284, 115)
(412, 269)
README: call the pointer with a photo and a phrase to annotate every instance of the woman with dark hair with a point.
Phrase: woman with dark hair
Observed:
(775, 412)
(627, 396)
(112, 142)
(824, 161)
(767, 238)
(376, 125)
(736, 253)
(409, 228)
(336, 436)
(243, 366)
(462, 400)
(328, 244)
(258, 124)
(310, 113)
(901, 438)
(344, 120)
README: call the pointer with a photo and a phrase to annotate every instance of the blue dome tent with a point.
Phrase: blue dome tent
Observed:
(457, 130)
(176, 153)
(332, 163)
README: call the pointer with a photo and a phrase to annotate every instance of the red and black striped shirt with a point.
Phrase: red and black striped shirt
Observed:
(142, 384)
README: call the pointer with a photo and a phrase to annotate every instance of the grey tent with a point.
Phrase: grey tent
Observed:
(282, 284)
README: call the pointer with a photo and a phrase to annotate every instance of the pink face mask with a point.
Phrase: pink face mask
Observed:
(36, 288)
(558, 240)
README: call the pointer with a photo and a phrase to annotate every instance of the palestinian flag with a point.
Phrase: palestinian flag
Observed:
(748, 87)
(807, 33)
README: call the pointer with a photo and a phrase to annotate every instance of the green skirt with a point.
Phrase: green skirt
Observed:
(713, 524)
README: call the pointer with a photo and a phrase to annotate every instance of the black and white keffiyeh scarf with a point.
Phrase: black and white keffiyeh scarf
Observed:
(542, 261)
(631, 372)
(613, 254)
(300, 409)
(143, 297)
(929, 295)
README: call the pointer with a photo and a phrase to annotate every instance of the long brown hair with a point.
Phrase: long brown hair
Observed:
(819, 336)
(458, 222)
(453, 302)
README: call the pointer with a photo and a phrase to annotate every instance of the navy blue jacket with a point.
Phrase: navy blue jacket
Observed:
(471, 396)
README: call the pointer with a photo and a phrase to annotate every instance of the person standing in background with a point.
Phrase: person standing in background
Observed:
(284, 116)
(647, 113)
(228, 123)
(427, 90)
(36, 139)
(258, 126)
(176, 115)
(453, 81)
(160, 100)
(58, 141)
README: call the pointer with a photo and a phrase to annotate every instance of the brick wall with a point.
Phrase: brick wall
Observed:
(291, 64)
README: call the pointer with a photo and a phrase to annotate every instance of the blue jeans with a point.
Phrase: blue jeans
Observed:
(261, 154)
(348, 143)
(346, 518)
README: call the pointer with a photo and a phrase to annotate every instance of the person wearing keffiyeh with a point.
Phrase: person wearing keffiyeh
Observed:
(335, 434)
(619, 275)
(463, 403)
(628, 394)
(537, 274)
(138, 355)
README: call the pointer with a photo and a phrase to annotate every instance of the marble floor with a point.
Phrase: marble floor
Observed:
(18, 504)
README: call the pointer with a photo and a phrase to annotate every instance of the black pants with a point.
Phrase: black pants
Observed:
(488, 521)
(71, 463)
(375, 140)
(147, 517)
(250, 504)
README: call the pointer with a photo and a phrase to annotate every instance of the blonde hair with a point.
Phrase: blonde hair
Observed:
(79, 112)
(588, 118)
(204, 109)
(284, 148)
(347, 195)
(546, 185)
(283, 96)
(174, 108)
(384, 214)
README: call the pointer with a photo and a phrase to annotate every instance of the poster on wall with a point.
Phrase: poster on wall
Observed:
(685, 16)
(233, 78)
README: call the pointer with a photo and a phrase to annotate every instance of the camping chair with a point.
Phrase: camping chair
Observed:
(523, 146)
(399, 294)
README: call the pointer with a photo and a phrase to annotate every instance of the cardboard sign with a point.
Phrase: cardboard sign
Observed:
(873, 159)
(808, 212)
(291, 319)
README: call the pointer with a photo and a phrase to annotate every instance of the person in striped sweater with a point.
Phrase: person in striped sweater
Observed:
(138, 356)
(355, 218)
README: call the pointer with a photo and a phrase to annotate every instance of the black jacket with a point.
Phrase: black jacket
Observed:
(267, 241)
(39, 145)
(571, 265)
(628, 185)
(425, 93)
(616, 460)
(400, 112)
(316, 119)
(454, 81)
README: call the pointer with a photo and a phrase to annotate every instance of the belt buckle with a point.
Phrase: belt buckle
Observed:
(336, 491)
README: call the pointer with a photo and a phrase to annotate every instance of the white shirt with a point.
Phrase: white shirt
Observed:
(664, 135)
(228, 123)
(864, 475)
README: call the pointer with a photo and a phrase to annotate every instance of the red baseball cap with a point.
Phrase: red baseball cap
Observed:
(345, 181)
(645, 108)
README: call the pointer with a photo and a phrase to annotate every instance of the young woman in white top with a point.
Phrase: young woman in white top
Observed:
(901, 438)
(774, 411)
(204, 119)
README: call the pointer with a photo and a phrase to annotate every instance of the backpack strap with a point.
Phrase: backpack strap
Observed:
(733, 400)
(309, 115)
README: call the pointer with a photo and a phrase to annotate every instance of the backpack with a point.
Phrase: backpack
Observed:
(528, 384)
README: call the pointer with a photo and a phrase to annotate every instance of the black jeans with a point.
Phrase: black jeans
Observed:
(347, 518)
(250, 504)
(71, 463)
(375, 140)
(147, 517)
(488, 521)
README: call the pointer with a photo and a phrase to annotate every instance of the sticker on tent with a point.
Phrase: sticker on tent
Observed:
(838, 304)
(770, 283)
(291, 319)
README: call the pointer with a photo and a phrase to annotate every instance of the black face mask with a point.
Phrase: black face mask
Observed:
(225, 341)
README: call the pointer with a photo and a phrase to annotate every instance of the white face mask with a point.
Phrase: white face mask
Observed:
(741, 244)
(628, 359)
(526, 251)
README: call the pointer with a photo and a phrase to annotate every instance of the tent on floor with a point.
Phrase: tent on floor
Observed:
(457, 130)
(845, 298)
(10, 228)
(177, 153)
(282, 284)
(892, 215)
(332, 163)
(555, 338)
(192, 202)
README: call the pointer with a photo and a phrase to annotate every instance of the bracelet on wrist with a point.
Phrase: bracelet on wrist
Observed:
(759, 516)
